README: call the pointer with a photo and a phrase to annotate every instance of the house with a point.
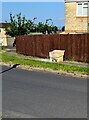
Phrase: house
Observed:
(76, 16)
(7, 40)
(2, 33)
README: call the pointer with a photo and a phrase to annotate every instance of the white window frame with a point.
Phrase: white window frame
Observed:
(83, 6)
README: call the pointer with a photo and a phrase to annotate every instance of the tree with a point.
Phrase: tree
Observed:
(40, 27)
(19, 26)
(63, 28)
(54, 29)
(46, 28)
(33, 26)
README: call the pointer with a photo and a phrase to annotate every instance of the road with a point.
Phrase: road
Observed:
(36, 94)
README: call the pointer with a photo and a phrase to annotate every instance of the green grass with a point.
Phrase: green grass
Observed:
(45, 65)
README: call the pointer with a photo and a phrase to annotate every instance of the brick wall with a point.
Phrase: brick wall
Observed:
(72, 22)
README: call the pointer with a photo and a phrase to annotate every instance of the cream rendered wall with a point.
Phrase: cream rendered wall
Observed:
(3, 36)
(7, 40)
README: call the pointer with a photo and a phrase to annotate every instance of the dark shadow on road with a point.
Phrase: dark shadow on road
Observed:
(14, 66)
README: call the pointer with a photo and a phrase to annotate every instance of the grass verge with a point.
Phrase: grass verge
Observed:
(46, 65)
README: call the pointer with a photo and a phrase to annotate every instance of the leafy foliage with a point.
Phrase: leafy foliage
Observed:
(63, 28)
(21, 26)
(46, 28)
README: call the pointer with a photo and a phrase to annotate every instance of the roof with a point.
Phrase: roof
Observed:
(4, 25)
(76, 0)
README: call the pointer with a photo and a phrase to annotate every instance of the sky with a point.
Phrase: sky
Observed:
(41, 10)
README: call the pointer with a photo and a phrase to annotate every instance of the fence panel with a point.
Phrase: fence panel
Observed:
(76, 46)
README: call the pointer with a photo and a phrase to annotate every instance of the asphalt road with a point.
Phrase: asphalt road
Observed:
(35, 94)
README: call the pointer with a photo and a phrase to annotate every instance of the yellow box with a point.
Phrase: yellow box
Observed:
(56, 55)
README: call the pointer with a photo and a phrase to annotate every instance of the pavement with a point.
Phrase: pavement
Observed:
(12, 51)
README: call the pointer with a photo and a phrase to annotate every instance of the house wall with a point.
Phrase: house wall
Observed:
(3, 36)
(7, 40)
(88, 26)
(74, 23)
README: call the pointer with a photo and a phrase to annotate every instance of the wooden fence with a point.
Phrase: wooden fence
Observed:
(76, 46)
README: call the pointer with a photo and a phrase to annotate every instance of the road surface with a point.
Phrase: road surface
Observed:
(36, 94)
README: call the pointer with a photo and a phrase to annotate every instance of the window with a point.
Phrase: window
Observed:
(0, 30)
(82, 8)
